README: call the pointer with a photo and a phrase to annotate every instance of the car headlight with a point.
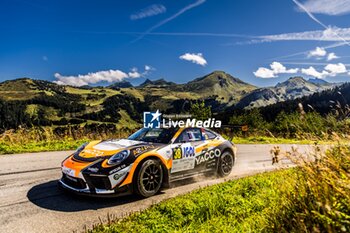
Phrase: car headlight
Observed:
(119, 157)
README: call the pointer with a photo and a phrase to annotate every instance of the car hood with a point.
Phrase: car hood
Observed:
(104, 149)
(113, 145)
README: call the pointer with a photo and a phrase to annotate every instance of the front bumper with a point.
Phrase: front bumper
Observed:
(82, 188)
(93, 180)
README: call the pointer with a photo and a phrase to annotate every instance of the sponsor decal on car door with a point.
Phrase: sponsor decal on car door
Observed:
(183, 157)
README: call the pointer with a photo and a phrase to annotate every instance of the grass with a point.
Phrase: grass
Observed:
(40, 146)
(125, 119)
(94, 91)
(276, 140)
(242, 205)
(320, 202)
(7, 147)
(314, 197)
(25, 142)
(40, 139)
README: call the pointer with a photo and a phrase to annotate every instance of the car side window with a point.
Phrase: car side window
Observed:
(209, 135)
(189, 135)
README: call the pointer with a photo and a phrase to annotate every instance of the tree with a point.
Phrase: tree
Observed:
(253, 118)
(199, 111)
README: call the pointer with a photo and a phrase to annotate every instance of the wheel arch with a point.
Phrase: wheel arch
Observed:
(231, 150)
(137, 165)
(226, 145)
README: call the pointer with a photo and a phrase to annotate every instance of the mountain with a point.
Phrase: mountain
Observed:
(332, 100)
(26, 88)
(121, 84)
(318, 81)
(31, 102)
(293, 88)
(218, 89)
(225, 87)
(159, 82)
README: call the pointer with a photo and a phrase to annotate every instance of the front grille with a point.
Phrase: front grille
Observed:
(73, 182)
(99, 182)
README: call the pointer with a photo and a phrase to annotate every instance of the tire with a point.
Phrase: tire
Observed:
(226, 163)
(149, 178)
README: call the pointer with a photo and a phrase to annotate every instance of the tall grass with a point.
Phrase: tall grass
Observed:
(320, 200)
(56, 138)
(314, 197)
(299, 125)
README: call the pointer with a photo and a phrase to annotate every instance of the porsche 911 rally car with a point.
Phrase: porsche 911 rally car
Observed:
(146, 161)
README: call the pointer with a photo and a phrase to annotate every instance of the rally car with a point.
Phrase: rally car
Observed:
(146, 161)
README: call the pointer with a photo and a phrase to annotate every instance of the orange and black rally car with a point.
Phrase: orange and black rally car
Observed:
(146, 161)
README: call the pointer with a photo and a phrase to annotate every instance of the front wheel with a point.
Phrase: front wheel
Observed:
(226, 163)
(149, 178)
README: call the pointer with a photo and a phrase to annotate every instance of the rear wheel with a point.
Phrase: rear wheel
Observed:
(149, 178)
(226, 163)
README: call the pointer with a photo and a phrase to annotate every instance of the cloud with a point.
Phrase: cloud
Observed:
(174, 16)
(45, 58)
(331, 56)
(334, 33)
(109, 76)
(149, 68)
(91, 78)
(276, 69)
(203, 34)
(195, 58)
(333, 7)
(311, 71)
(334, 45)
(329, 34)
(303, 8)
(309, 13)
(149, 11)
(134, 73)
(263, 72)
(311, 63)
(334, 69)
(318, 52)
(330, 70)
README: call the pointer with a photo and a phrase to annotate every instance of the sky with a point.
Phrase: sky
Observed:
(90, 42)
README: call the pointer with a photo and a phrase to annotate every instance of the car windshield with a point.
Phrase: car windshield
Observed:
(159, 135)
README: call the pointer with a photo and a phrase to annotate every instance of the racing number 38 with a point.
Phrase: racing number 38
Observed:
(183, 152)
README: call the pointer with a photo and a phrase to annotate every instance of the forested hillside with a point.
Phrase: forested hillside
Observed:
(26, 102)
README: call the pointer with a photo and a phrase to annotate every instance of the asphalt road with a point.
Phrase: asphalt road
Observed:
(31, 202)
